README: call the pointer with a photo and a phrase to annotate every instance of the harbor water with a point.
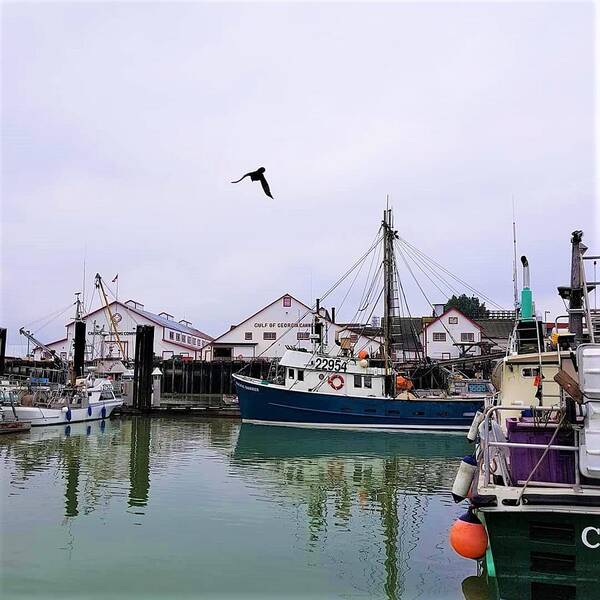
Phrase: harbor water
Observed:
(180, 507)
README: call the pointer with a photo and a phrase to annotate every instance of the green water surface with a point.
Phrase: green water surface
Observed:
(184, 507)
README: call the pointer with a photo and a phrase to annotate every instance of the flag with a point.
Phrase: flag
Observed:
(115, 279)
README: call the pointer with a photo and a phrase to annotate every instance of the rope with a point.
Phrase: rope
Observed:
(323, 296)
(456, 278)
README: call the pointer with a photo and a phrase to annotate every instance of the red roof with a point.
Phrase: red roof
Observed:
(449, 311)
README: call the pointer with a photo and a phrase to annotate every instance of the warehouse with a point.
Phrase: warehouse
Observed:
(171, 337)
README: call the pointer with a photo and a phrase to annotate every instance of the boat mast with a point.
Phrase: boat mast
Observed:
(388, 282)
(515, 277)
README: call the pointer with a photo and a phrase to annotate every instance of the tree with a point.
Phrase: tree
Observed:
(472, 307)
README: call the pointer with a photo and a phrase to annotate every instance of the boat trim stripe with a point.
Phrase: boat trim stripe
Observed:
(355, 425)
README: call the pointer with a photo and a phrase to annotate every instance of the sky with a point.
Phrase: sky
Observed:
(123, 125)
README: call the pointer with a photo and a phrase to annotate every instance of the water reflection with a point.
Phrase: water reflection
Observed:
(139, 462)
(340, 475)
(369, 510)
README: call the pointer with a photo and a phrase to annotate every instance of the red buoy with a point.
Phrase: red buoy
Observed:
(363, 354)
(468, 537)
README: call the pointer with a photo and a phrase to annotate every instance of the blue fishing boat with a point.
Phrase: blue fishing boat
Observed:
(354, 388)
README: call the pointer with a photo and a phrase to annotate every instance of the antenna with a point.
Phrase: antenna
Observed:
(515, 276)
(83, 282)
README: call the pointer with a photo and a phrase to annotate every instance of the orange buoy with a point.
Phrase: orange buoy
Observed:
(468, 537)
(402, 383)
(363, 354)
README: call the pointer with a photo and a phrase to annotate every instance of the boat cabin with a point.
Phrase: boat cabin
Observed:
(344, 375)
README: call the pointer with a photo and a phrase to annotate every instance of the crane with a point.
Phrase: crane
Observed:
(58, 361)
(111, 318)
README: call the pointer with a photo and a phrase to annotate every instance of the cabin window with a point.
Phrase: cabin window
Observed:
(300, 375)
(467, 337)
(171, 335)
(248, 335)
(358, 381)
(453, 320)
(287, 301)
(530, 372)
(439, 336)
(368, 381)
(303, 335)
(269, 335)
(291, 373)
(106, 394)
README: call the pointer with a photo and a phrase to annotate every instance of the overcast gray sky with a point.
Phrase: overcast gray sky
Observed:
(124, 123)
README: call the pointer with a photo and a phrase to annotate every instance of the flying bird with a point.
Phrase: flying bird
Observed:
(258, 176)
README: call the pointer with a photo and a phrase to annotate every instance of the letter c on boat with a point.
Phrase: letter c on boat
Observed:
(584, 537)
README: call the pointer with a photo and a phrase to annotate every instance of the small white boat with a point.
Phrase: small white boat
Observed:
(90, 399)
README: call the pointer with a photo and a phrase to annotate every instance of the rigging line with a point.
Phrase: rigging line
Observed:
(424, 294)
(53, 318)
(49, 315)
(416, 337)
(365, 325)
(374, 260)
(418, 260)
(313, 307)
(356, 276)
(374, 286)
(374, 283)
(482, 333)
(455, 277)
(427, 275)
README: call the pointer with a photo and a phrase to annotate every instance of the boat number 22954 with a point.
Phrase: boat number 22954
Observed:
(331, 364)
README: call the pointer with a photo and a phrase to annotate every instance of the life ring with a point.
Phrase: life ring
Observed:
(336, 382)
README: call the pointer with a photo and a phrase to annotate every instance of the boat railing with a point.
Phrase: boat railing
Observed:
(488, 444)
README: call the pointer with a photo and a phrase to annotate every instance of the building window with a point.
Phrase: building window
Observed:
(446, 356)
(189, 339)
(287, 301)
(358, 381)
(193, 341)
(291, 373)
(467, 337)
(439, 336)
(269, 335)
(177, 337)
(300, 375)
(453, 320)
(303, 335)
(368, 382)
(248, 335)
(171, 335)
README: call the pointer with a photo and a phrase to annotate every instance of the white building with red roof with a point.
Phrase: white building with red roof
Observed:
(171, 337)
(450, 335)
(284, 322)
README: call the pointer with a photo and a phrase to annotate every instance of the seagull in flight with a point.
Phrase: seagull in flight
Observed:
(258, 175)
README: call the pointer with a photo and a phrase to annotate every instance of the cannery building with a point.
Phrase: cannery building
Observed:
(284, 322)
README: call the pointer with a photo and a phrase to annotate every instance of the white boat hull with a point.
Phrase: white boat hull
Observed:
(39, 416)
